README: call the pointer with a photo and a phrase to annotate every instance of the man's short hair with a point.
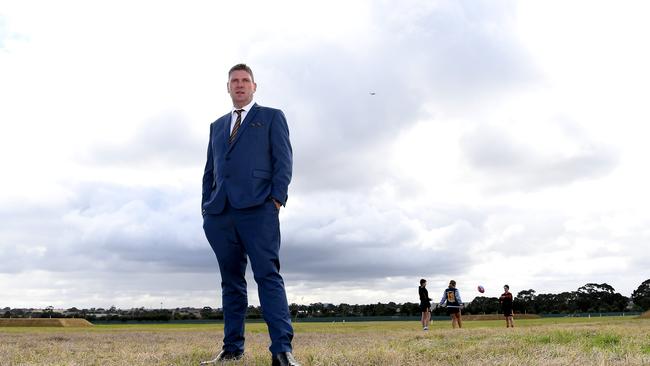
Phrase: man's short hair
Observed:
(242, 67)
(452, 283)
(422, 281)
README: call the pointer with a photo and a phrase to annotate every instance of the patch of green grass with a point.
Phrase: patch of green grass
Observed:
(558, 337)
(563, 337)
(541, 339)
(605, 341)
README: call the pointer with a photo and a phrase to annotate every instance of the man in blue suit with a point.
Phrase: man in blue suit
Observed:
(245, 184)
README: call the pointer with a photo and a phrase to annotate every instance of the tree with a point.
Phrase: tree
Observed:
(410, 309)
(525, 301)
(483, 305)
(49, 311)
(546, 303)
(641, 296)
(316, 309)
(254, 312)
(343, 310)
(566, 302)
(594, 297)
(206, 312)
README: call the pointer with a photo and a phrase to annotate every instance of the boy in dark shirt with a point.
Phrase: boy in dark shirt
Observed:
(425, 304)
(506, 306)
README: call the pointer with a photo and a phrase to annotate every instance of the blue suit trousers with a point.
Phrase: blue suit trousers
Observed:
(234, 235)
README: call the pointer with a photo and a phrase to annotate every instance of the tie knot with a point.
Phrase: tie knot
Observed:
(238, 111)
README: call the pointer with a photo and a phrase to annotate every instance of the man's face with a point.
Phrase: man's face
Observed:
(241, 88)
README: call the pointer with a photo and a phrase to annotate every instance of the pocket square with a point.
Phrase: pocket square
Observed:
(257, 124)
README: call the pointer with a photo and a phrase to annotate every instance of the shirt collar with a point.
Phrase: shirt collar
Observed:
(246, 108)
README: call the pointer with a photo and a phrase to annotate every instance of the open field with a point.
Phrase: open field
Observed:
(556, 341)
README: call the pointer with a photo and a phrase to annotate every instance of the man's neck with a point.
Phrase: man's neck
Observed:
(245, 106)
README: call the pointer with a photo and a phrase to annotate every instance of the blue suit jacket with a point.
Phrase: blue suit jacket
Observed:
(255, 167)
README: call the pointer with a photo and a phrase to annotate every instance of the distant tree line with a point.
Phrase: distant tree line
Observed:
(100, 314)
(590, 298)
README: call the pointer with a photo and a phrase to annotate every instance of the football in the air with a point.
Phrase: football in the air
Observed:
(481, 289)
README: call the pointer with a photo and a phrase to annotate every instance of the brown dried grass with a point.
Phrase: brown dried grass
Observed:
(44, 322)
(606, 341)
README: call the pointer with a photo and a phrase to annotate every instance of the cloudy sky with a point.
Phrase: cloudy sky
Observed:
(506, 142)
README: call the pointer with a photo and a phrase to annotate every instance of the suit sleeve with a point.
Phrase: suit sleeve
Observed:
(208, 175)
(281, 158)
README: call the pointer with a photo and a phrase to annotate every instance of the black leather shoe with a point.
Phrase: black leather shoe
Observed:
(284, 359)
(224, 356)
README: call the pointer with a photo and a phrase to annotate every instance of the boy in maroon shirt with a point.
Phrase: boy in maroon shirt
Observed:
(506, 306)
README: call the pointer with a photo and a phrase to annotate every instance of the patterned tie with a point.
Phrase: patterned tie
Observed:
(236, 126)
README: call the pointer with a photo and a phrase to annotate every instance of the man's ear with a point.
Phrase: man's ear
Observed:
(228, 86)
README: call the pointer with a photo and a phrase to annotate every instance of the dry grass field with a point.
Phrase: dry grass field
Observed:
(559, 341)
(44, 322)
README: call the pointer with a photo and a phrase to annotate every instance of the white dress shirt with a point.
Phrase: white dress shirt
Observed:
(233, 115)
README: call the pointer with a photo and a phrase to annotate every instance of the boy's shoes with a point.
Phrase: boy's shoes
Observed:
(425, 328)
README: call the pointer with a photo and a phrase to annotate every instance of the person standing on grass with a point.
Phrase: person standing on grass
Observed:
(245, 183)
(425, 304)
(506, 306)
(451, 297)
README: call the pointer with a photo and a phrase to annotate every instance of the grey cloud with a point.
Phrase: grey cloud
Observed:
(27, 233)
(166, 140)
(369, 243)
(347, 262)
(594, 163)
(109, 228)
(106, 228)
(512, 165)
(157, 228)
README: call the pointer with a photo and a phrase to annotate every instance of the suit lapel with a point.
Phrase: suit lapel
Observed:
(226, 128)
(244, 125)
